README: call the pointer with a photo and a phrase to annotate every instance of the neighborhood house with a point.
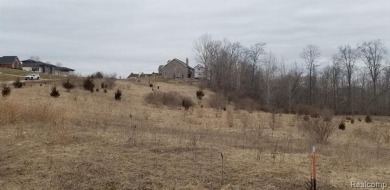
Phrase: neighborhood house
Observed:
(38, 66)
(177, 69)
(199, 71)
(11, 62)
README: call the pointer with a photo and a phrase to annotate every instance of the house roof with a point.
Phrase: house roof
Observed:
(181, 62)
(7, 59)
(33, 63)
(66, 69)
(199, 66)
(133, 75)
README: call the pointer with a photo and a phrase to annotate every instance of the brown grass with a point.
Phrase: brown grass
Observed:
(84, 140)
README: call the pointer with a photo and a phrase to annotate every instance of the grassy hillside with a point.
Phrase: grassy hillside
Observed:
(85, 140)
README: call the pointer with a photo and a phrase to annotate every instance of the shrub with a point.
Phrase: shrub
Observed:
(17, 83)
(88, 84)
(247, 104)
(352, 120)
(105, 90)
(98, 75)
(118, 94)
(54, 92)
(6, 91)
(368, 119)
(199, 94)
(103, 85)
(359, 119)
(172, 99)
(187, 103)
(97, 90)
(327, 114)
(110, 81)
(151, 85)
(217, 101)
(342, 126)
(319, 129)
(68, 85)
(303, 109)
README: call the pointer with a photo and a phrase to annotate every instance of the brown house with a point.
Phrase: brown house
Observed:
(177, 69)
(11, 62)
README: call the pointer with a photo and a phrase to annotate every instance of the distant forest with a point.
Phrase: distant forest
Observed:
(356, 82)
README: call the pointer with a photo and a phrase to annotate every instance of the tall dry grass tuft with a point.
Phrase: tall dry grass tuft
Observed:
(12, 112)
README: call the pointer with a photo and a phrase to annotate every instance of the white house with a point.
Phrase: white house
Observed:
(199, 71)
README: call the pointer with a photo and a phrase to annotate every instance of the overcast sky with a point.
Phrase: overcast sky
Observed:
(123, 36)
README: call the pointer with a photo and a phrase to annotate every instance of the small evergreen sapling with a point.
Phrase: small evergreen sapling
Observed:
(54, 92)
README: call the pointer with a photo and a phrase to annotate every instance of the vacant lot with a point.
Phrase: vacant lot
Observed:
(84, 140)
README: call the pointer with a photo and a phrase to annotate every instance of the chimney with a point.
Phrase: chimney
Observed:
(187, 61)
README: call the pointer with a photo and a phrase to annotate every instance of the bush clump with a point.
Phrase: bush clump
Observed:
(6, 91)
(105, 90)
(103, 85)
(342, 126)
(68, 85)
(217, 101)
(54, 92)
(199, 94)
(88, 84)
(17, 83)
(247, 104)
(118, 95)
(151, 85)
(318, 128)
(187, 103)
(172, 99)
(368, 119)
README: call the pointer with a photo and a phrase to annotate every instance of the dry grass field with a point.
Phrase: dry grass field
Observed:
(84, 140)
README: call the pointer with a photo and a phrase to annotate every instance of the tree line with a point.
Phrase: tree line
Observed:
(357, 81)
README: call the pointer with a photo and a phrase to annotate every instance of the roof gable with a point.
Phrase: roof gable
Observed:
(8, 59)
(33, 63)
(181, 62)
(199, 66)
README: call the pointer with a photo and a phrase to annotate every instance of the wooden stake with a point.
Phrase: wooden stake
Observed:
(314, 180)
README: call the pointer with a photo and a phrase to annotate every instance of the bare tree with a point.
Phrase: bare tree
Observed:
(270, 67)
(311, 55)
(335, 81)
(35, 58)
(347, 56)
(372, 53)
(255, 52)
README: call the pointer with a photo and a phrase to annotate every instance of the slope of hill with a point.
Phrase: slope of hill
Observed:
(84, 140)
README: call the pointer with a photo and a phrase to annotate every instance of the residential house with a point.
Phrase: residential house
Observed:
(199, 71)
(11, 62)
(177, 69)
(38, 66)
(64, 71)
(133, 75)
(160, 69)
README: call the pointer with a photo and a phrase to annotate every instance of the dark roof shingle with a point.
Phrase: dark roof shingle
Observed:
(7, 59)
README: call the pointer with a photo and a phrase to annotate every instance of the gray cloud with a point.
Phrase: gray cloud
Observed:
(133, 36)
